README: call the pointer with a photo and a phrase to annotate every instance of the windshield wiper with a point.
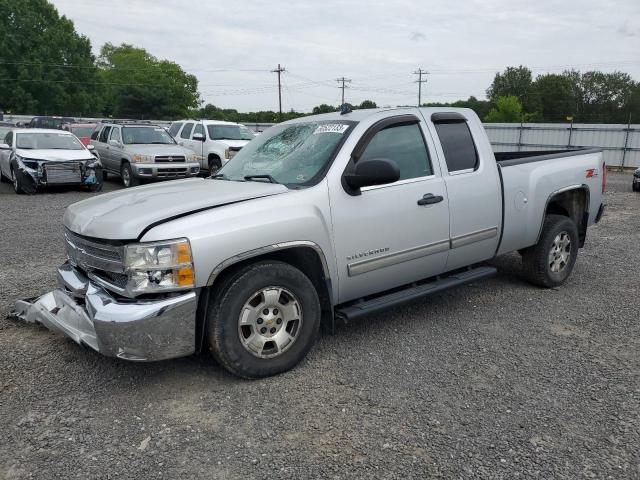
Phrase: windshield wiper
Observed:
(263, 176)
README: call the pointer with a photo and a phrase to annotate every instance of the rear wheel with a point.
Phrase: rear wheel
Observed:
(128, 180)
(550, 262)
(263, 320)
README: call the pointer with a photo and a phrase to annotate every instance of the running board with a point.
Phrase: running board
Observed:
(365, 307)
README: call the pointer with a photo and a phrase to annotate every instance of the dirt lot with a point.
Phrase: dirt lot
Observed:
(494, 380)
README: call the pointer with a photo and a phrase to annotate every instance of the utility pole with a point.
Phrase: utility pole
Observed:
(344, 81)
(420, 81)
(279, 70)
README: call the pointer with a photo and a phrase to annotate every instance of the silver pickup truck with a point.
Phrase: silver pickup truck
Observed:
(323, 217)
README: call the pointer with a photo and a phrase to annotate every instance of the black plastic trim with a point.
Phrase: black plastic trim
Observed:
(503, 208)
(448, 117)
(531, 157)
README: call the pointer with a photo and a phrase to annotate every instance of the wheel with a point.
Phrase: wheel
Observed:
(550, 262)
(263, 320)
(20, 184)
(214, 165)
(128, 180)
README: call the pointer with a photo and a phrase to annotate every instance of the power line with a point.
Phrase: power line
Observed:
(344, 81)
(420, 72)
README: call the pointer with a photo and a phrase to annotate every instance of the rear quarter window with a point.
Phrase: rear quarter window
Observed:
(175, 128)
(457, 143)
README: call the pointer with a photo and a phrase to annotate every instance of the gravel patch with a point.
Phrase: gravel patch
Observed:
(494, 380)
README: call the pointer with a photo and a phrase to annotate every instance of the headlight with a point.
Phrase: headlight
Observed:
(193, 158)
(137, 158)
(159, 266)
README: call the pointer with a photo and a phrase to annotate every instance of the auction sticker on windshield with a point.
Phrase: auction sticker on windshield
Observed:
(331, 128)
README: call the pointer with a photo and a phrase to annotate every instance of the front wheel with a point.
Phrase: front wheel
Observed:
(128, 180)
(214, 165)
(550, 262)
(263, 320)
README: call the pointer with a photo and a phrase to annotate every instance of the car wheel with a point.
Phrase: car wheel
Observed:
(128, 180)
(214, 165)
(263, 320)
(20, 184)
(550, 262)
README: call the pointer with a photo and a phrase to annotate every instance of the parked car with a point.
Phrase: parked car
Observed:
(49, 122)
(139, 152)
(32, 158)
(335, 215)
(636, 181)
(214, 141)
(81, 130)
(5, 127)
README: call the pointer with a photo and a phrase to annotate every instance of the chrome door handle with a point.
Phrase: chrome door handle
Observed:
(430, 198)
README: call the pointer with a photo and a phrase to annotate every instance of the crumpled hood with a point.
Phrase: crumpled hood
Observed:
(54, 155)
(125, 214)
(233, 143)
(158, 149)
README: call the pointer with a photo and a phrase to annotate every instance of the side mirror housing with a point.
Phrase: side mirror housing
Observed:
(377, 171)
(91, 147)
(199, 137)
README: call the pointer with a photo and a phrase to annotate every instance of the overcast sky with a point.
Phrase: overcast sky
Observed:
(375, 44)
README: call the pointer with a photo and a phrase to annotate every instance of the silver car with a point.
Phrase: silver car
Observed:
(142, 152)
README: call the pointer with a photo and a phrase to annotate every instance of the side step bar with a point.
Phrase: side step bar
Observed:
(351, 311)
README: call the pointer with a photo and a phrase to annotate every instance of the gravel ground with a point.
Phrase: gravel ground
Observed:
(494, 380)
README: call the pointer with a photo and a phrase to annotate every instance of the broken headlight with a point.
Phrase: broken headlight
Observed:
(159, 266)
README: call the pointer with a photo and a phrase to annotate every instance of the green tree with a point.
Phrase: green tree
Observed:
(514, 81)
(552, 96)
(507, 110)
(323, 108)
(45, 67)
(138, 85)
(368, 104)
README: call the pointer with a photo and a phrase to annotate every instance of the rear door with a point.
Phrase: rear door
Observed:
(384, 237)
(185, 134)
(198, 145)
(115, 147)
(473, 186)
(102, 147)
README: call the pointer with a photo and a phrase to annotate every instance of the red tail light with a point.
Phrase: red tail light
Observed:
(604, 176)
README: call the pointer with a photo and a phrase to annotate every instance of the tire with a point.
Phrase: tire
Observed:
(550, 262)
(635, 187)
(20, 185)
(128, 180)
(105, 175)
(254, 291)
(214, 165)
(4, 179)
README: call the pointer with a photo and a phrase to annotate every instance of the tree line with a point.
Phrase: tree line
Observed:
(46, 67)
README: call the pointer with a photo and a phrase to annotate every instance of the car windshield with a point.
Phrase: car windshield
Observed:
(82, 131)
(146, 135)
(291, 154)
(229, 132)
(47, 140)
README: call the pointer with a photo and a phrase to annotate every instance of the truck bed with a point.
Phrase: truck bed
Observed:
(506, 159)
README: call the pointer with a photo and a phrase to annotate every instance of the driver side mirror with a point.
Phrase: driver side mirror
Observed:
(199, 137)
(377, 171)
(91, 147)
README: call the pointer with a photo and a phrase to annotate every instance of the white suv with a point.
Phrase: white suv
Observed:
(213, 141)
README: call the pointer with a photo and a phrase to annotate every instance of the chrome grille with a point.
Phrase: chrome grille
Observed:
(93, 255)
(169, 159)
(171, 172)
(58, 173)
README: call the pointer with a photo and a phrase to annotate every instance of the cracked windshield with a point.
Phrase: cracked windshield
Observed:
(289, 154)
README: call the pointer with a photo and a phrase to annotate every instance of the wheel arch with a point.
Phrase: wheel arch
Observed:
(304, 255)
(572, 202)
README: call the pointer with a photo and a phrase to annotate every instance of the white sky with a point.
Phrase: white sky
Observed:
(376, 44)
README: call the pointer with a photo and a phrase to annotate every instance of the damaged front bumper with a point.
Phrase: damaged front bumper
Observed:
(138, 330)
(32, 174)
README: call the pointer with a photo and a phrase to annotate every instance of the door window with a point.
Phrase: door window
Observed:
(186, 131)
(174, 128)
(458, 147)
(104, 134)
(199, 129)
(115, 135)
(404, 145)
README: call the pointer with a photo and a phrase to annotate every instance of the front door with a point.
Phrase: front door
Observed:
(388, 235)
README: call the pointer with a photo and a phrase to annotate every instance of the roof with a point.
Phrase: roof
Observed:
(41, 130)
(359, 115)
(86, 124)
(208, 122)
